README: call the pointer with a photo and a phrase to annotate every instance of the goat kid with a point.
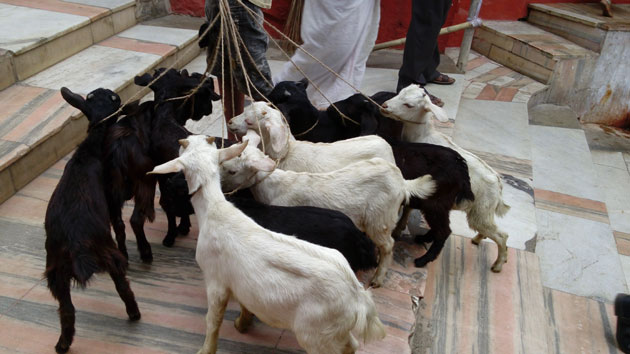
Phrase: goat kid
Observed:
(78, 236)
(310, 124)
(413, 107)
(285, 282)
(304, 156)
(146, 137)
(369, 192)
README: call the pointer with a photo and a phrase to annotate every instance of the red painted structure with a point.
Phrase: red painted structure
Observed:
(396, 14)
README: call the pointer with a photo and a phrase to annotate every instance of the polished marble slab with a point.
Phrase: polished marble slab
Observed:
(469, 309)
(493, 127)
(96, 66)
(108, 4)
(578, 256)
(449, 94)
(49, 25)
(562, 162)
(609, 158)
(174, 36)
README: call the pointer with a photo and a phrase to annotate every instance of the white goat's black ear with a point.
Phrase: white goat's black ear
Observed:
(302, 83)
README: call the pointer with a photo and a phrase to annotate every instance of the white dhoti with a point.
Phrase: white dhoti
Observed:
(340, 34)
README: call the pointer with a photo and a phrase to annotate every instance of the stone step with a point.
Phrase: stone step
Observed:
(38, 128)
(469, 309)
(63, 28)
(527, 49)
(582, 24)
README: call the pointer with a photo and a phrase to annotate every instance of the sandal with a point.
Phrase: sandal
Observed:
(436, 100)
(443, 79)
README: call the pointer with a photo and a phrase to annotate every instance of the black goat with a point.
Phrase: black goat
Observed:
(445, 165)
(309, 123)
(328, 228)
(450, 172)
(78, 236)
(147, 137)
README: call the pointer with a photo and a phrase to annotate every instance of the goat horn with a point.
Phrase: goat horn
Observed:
(183, 142)
(210, 140)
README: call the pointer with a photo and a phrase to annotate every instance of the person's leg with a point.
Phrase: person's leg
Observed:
(430, 72)
(233, 101)
(426, 21)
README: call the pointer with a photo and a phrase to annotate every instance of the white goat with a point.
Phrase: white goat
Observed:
(304, 156)
(285, 282)
(369, 192)
(413, 107)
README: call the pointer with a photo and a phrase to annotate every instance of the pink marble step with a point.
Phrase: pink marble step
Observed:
(38, 128)
(469, 309)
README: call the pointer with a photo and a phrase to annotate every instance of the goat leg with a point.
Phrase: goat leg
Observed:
(59, 284)
(119, 230)
(440, 231)
(184, 225)
(125, 293)
(217, 302)
(137, 224)
(402, 222)
(244, 320)
(169, 239)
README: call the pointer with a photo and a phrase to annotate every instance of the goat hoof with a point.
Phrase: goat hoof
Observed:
(497, 267)
(168, 241)
(240, 326)
(376, 284)
(183, 230)
(134, 316)
(62, 346)
(147, 258)
(420, 262)
(477, 239)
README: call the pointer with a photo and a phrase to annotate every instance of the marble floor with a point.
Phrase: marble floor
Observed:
(569, 247)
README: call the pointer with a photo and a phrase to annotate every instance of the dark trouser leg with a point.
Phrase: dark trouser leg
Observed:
(421, 56)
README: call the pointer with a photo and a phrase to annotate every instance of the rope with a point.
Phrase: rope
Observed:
(308, 130)
(252, 13)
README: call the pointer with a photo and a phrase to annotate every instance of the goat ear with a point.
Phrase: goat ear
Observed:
(143, 80)
(277, 135)
(438, 112)
(232, 151)
(210, 140)
(131, 107)
(369, 124)
(203, 40)
(264, 164)
(252, 137)
(302, 83)
(74, 99)
(167, 167)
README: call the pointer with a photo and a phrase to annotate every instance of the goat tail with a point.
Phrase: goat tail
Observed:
(421, 187)
(368, 326)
